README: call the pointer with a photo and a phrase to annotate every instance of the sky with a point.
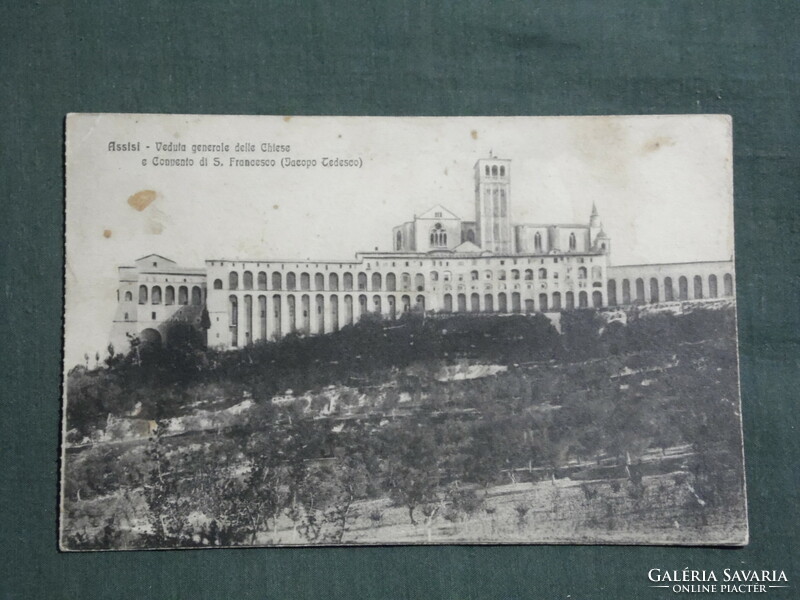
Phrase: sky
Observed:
(662, 185)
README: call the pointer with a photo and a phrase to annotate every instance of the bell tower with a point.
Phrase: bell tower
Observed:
(493, 204)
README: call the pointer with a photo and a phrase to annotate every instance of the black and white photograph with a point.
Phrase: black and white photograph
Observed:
(324, 331)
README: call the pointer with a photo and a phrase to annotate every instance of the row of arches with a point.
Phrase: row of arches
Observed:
(154, 295)
(514, 302)
(654, 290)
(348, 281)
(262, 317)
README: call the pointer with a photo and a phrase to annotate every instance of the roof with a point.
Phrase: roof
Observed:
(431, 213)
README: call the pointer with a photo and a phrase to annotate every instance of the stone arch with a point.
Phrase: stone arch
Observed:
(305, 307)
(376, 282)
(150, 337)
(347, 281)
(597, 299)
(640, 290)
(556, 301)
(570, 301)
(434, 276)
(391, 282)
(276, 280)
(488, 303)
(712, 286)
(698, 287)
(305, 281)
(727, 284)
(348, 309)
(197, 296)
(169, 295)
(626, 291)
(333, 282)
(475, 303)
(462, 303)
(362, 281)
(611, 292)
(583, 299)
(654, 296)
(669, 294)
(362, 304)
(683, 288)
(515, 274)
(502, 302)
(319, 282)
(233, 319)
(262, 314)
(528, 274)
(471, 235)
(390, 300)
(420, 305)
(529, 307)
(128, 296)
(248, 320)
(543, 303)
(291, 281)
(233, 280)
(319, 302)
(155, 295)
(376, 304)
(218, 284)
(183, 295)
(542, 273)
(291, 311)
(448, 303)
(405, 281)
(276, 313)
(247, 280)
(419, 282)
(406, 301)
(262, 280)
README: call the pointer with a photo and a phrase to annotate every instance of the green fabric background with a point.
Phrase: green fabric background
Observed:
(401, 58)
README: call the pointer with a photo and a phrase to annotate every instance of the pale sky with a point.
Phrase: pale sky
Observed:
(662, 186)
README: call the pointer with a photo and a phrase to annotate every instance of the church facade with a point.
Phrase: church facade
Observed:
(439, 264)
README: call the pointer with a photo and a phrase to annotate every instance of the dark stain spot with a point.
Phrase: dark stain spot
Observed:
(141, 200)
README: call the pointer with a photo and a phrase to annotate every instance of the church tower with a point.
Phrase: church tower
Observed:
(493, 205)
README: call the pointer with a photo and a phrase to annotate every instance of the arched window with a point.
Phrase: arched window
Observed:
(597, 299)
(398, 243)
(581, 272)
(502, 305)
(573, 242)
(305, 281)
(473, 275)
(218, 284)
(727, 284)
(448, 303)
(233, 280)
(434, 276)
(391, 282)
(276, 281)
(640, 290)
(155, 297)
(570, 301)
(376, 282)
(471, 235)
(515, 274)
(262, 280)
(475, 303)
(419, 282)
(319, 281)
(502, 171)
(362, 281)
(291, 281)
(183, 295)
(438, 236)
(446, 276)
(494, 170)
(420, 305)
(197, 296)
(712, 286)
(333, 282)
(537, 242)
(487, 170)
(405, 281)
(462, 303)
(169, 295)
(597, 273)
(128, 296)
(376, 301)
(543, 302)
(488, 303)
(528, 274)
(247, 280)
(542, 273)
(348, 281)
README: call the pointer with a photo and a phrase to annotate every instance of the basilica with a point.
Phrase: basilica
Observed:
(439, 264)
